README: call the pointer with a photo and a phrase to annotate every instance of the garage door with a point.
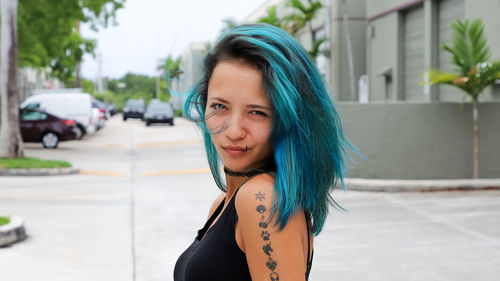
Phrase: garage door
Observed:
(448, 12)
(413, 48)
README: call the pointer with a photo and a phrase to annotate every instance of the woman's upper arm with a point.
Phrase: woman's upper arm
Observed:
(271, 254)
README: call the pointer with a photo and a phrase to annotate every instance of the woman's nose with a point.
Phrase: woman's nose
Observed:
(236, 128)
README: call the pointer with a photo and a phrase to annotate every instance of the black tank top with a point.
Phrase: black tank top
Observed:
(217, 257)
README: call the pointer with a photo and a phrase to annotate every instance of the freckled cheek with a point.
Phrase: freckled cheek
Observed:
(214, 121)
(264, 137)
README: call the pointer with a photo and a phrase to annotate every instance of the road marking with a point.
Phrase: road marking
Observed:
(167, 143)
(113, 144)
(176, 172)
(100, 173)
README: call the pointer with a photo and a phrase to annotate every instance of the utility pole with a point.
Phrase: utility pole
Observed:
(350, 62)
(99, 74)
(78, 79)
(11, 142)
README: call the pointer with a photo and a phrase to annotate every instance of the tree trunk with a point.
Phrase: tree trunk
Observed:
(475, 118)
(11, 144)
(78, 78)
(350, 62)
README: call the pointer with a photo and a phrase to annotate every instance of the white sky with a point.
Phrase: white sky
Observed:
(149, 30)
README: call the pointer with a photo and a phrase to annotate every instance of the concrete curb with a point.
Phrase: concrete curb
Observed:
(38, 172)
(12, 232)
(392, 185)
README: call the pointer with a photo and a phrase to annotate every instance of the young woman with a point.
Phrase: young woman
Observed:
(271, 127)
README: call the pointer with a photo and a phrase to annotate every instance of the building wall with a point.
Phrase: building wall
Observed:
(382, 54)
(396, 58)
(192, 68)
(406, 140)
(30, 79)
(374, 8)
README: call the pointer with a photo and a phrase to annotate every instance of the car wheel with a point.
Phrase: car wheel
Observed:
(124, 118)
(50, 140)
(147, 123)
(79, 133)
(172, 123)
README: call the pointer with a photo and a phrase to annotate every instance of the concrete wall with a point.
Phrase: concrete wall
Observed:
(405, 140)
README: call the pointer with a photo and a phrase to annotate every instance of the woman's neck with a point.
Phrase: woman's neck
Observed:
(232, 185)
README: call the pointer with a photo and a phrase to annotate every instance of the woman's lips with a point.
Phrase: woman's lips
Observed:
(235, 150)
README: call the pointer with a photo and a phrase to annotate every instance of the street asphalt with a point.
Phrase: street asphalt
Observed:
(142, 193)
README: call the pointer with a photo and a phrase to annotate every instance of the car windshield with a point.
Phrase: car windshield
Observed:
(135, 104)
(159, 108)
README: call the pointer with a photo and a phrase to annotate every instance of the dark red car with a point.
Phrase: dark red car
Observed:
(40, 126)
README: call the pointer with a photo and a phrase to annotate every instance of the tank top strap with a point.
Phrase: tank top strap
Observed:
(308, 240)
(210, 220)
(310, 254)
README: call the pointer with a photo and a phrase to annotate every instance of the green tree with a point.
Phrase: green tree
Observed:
(135, 86)
(49, 36)
(170, 69)
(171, 66)
(471, 55)
(300, 18)
(271, 18)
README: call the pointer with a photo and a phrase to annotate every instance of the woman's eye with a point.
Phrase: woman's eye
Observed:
(217, 106)
(260, 113)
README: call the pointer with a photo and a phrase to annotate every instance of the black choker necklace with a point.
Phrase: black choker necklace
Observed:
(251, 172)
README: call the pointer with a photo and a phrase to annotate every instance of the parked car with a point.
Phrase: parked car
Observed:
(111, 108)
(49, 129)
(159, 112)
(73, 106)
(133, 108)
(100, 113)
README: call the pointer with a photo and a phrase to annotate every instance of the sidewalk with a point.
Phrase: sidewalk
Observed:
(393, 185)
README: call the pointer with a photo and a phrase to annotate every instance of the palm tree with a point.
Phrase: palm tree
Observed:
(271, 18)
(294, 22)
(470, 55)
(170, 66)
(305, 14)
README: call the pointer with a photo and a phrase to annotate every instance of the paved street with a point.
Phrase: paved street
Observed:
(144, 191)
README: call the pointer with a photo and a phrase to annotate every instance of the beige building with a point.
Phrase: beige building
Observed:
(191, 67)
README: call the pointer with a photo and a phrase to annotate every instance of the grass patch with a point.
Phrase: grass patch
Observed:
(4, 220)
(28, 162)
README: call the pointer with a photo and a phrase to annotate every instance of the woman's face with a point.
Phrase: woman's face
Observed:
(238, 107)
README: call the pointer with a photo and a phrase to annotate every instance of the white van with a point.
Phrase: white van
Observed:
(75, 106)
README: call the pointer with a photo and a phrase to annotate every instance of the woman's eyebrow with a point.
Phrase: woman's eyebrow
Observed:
(259, 107)
(220, 99)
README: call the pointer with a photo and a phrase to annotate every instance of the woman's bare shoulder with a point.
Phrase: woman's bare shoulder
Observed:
(216, 204)
(257, 189)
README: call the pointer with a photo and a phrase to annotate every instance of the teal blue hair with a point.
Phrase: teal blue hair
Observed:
(307, 138)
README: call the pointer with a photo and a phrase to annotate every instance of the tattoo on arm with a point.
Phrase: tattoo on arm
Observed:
(266, 237)
(260, 196)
